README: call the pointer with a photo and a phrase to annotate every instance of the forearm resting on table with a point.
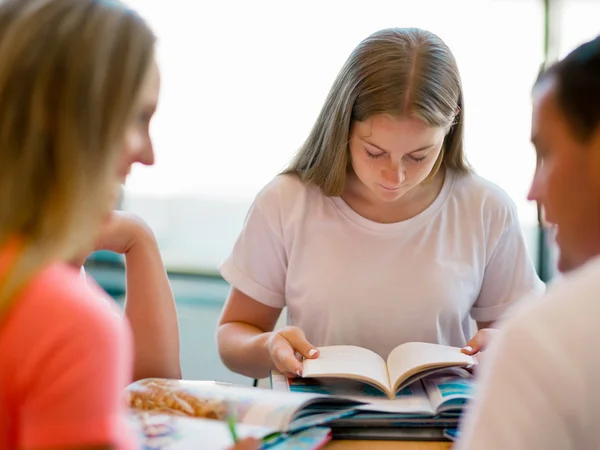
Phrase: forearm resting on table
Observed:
(244, 349)
(150, 308)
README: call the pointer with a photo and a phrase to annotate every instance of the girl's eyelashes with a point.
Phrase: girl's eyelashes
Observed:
(373, 155)
(379, 155)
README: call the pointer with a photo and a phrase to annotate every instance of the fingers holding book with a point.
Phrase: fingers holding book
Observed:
(283, 346)
(479, 342)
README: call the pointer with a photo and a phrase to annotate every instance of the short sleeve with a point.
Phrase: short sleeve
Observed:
(508, 277)
(73, 377)
(257, 265)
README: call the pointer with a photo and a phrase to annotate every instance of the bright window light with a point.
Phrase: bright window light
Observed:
(243, 83)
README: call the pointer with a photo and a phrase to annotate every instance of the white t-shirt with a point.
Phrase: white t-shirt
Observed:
(538, 385)
(348, 280)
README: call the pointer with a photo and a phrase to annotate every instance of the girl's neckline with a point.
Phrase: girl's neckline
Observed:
(419, 218)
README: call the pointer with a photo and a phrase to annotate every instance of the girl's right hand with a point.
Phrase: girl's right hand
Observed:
(284, 344)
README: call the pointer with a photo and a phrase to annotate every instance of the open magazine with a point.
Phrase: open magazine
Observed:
(279, 411)
(405, 364)
(171, 432)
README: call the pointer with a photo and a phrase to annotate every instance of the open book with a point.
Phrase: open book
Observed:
(405, 364)
(435, 400)
(421, 411)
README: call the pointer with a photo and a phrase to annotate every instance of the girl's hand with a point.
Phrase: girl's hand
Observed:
(119, 235)
(283, 346)
(122, 232)
(479, 342)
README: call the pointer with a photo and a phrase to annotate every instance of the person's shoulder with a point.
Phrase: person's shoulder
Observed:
(286, 185)
(576, 291)
(286, 191)
(475, 192)
(74, 306)
(485, 191)
(569, 305)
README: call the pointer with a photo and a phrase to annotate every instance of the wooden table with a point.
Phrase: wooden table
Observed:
(388, 445)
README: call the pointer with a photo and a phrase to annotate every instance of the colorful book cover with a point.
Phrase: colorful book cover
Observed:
(311, 439)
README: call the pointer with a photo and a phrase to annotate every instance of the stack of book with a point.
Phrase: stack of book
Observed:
(348, 392)
(418, 393)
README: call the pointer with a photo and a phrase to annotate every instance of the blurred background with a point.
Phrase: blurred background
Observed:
(242, 83)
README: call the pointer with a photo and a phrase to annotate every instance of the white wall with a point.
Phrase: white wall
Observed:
(242, 83)
(194, 234)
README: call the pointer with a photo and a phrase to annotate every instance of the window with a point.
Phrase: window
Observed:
(244, 81)
(578, 23)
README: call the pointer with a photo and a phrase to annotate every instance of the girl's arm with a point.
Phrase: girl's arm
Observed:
(149, 305)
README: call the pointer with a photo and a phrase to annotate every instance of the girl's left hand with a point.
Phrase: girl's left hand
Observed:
(479, 342)
(122, 232)
(119, 234)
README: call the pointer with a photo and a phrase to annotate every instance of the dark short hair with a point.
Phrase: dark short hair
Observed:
(577, 78)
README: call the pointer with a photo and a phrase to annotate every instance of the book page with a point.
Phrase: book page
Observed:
(411, 401)
(164, 431)
(449, 393)
(167, 432)
(210, 399)
(347, 361)
(411, 358)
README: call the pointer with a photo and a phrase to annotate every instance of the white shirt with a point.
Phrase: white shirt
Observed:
(348, 280)
(538, 386)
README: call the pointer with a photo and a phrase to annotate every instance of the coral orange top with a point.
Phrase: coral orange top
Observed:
(65, 357)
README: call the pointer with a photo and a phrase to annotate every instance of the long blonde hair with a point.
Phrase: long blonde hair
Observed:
(402, 72)
(70, 76)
